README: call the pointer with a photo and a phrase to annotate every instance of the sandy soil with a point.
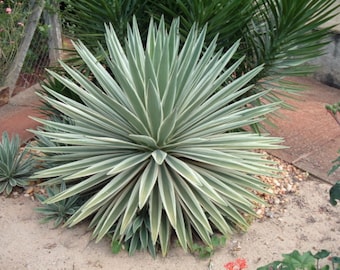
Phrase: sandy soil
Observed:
(308, 222)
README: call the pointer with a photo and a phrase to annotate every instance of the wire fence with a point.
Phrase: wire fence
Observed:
(30, 36)
(36, 59)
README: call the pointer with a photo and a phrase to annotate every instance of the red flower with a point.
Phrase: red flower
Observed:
(229, 266)
(242, 263)
(239, 264)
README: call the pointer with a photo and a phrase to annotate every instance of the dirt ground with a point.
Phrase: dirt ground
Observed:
(306, 222)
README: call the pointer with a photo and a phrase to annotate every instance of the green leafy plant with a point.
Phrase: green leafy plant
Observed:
(204, 251)
(305, 261)
(59, 211)
(334, 111)
(334, 193)
(336, 164)
(16, 164)
(158, 137)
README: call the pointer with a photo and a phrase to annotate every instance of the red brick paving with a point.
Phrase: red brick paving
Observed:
(15, 116)
(312, 135)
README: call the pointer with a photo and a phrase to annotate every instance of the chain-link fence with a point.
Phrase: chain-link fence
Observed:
(29, 37)
(36, 60)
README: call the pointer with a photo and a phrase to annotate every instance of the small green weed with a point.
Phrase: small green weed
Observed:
(204, 251)
(304, 261)
(334, 109)
(334, 193)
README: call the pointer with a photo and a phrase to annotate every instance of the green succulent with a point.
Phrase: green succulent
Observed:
(59, 211)
(16, 165)
(137, 236)
(155, 133)
(48, 160)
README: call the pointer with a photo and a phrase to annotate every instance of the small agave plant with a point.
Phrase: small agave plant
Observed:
(16, 165)
(153, 142)
(60, 211)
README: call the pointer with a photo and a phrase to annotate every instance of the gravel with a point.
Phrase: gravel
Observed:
(286, 182)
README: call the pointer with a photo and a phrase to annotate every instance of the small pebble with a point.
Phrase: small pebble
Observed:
(259, 212)
(289, 187)
(277, 201)
(269, 214)
(277, 183)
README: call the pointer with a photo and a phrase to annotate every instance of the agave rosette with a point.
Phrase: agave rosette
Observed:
(16, 164)
(155, 134)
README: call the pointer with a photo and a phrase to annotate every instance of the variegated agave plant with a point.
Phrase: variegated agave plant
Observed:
(16, 165)
(153, 140)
